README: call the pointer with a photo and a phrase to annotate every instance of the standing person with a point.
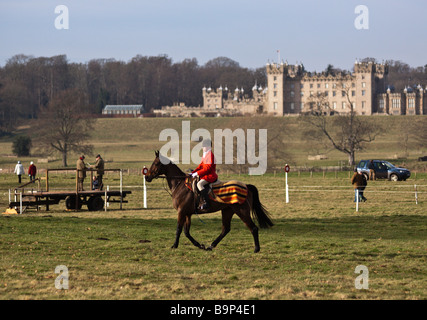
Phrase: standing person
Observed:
(206, 171)
(359, 182)
(371, 168)
(99, 166)
(32, 171)
(81, 172)
(19, 170)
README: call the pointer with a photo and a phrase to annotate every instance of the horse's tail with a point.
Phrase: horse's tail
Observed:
(259, 212)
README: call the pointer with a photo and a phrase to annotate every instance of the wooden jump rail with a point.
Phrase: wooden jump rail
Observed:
(74, 199)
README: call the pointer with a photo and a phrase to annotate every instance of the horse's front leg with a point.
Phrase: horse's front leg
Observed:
(188, 235)
(180, 225)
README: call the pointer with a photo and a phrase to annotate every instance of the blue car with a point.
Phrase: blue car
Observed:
(384, 170)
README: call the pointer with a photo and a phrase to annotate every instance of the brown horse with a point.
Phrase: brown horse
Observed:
(184, 202)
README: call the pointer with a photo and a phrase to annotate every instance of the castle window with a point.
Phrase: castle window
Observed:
(411, 103)
(396, 103)
(363, 104)
(353, 93)
(275, 78)
(275, 86)
(302, 86)
(381, 104)
(275, 93)
(363, 84)
(275, 106)
(363, 92)
(343, 93)
(344, 105)
(292, 94)
(318, 86)
(334, 105)
(326, 85)
(292, 106)
(292, 86)
(326, 93)
(334, 93)
(353, 85)
(334, 85)
(311, 86)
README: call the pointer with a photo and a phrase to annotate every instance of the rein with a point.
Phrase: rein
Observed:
(172, 177)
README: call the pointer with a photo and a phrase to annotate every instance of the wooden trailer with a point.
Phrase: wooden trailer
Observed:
(32, 194)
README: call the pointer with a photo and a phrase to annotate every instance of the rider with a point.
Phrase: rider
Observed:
(206, 172)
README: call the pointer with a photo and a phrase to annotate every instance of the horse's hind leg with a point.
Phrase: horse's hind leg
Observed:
(244, 213)
(227, 214)
(188, 235)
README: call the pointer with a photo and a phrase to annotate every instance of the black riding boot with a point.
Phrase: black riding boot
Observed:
(205, 195)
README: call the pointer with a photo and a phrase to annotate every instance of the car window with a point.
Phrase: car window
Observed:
(362, 164)
(388, 165)
(378, 165)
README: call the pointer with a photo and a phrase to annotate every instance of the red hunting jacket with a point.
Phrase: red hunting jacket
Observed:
(32, 170)
(207, 168)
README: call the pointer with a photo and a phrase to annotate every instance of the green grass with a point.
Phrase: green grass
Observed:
(311, 253)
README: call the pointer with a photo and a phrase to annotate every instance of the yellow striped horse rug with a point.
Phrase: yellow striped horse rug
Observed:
(230, 192)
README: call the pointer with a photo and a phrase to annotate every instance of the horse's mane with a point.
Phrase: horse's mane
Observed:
(171, 164)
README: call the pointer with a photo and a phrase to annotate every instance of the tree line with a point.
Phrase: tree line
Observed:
(28, 84)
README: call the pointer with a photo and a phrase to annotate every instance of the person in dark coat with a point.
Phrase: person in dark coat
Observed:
(371, 168)
(359, 183)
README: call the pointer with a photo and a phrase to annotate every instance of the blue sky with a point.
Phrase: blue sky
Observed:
(315, 33)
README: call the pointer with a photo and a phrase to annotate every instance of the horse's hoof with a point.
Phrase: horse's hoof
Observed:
(210, 248)
(202, 246)
(257, 250)
(174, 247)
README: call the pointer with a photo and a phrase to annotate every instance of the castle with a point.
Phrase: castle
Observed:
(292, 90)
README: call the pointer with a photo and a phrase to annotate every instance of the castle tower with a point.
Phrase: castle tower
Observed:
(275, 93)
(370, 80)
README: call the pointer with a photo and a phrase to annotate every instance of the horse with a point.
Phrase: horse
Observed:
(184, 201)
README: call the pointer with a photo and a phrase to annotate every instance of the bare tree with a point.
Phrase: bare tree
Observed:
(64, 125)
(345, 131)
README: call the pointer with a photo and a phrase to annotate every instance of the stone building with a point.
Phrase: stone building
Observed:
(124, 110)
(292, 90)
(222, 99)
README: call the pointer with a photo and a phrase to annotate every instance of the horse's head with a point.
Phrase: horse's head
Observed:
(157, 168)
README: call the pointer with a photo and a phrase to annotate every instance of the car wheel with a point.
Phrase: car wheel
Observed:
(394, 177)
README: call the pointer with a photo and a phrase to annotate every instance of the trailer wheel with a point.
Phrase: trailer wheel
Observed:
(95, 203)
(70, 203)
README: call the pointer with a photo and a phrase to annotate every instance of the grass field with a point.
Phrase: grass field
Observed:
(311, 253)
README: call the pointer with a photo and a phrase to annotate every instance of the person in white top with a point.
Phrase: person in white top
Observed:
(19, 170)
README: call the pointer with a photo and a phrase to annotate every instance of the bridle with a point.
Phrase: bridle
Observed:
(158, 176)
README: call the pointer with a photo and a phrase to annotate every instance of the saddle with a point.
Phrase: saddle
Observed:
(229, 192)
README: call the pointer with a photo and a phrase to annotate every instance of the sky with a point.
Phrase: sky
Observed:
(315, 33)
